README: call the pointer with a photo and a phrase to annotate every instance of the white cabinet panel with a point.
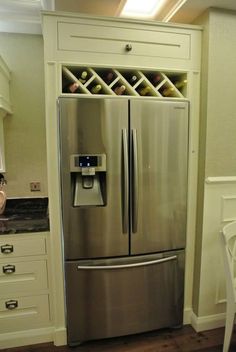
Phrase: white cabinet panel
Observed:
(102, 39)
(24, 286)
(22, 313)
(23, 276)
(12, 247)
(120, 42)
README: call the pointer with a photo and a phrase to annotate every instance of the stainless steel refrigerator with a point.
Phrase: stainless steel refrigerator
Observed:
(123, 166)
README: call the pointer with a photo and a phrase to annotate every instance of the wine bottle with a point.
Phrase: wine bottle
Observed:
(168, 91)
(108, 77)
(145, 90)
(96, 89)
(155, 79)
(83, 77)
(180, 84)
(132, 79)
(119, 90)
(71, 87)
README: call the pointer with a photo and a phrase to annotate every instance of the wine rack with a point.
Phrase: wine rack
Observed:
(110, 81)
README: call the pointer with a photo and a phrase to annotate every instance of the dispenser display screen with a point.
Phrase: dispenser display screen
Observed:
(86, 161)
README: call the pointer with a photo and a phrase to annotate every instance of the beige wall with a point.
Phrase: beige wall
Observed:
(25, 135)
(218, 103)
(221, 109)
(217, 154)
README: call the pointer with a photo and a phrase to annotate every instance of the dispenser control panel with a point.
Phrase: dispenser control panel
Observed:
(86, 161)
(81, 162)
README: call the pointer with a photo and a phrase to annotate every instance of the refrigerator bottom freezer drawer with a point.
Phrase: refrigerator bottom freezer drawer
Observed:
(107, 298)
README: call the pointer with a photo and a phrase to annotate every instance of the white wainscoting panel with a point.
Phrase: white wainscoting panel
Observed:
(219, 209)
(228, 204)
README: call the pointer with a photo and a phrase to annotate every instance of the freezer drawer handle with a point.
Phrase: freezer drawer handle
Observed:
(125, 266)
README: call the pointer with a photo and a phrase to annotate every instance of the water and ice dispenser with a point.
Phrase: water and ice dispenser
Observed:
(89, 179)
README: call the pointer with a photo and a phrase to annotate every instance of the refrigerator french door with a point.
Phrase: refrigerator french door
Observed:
(123, 169)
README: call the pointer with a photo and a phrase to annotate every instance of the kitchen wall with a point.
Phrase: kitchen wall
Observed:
(221, 116)
(218, 114)
(217, 160)
(25, 135)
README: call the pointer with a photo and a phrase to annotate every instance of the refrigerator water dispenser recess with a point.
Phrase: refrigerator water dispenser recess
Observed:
(89, 179)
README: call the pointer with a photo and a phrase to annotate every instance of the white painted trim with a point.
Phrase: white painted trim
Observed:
(208, 322)
(60, 337)
(24, 27)
(5, 105)
(26, 337)
(4, 69)
(122, 20)
(174, 9)
(224, 208)
(220, 179)
(48, 5)
(187, 316)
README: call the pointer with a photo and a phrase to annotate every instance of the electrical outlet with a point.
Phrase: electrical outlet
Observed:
(35, 186)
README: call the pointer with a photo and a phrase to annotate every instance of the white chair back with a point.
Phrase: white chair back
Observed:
(228, 245)
(228, 238)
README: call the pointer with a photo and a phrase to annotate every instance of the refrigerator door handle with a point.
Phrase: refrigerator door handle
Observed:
(135, 182)
(125, 180)
(125, 266)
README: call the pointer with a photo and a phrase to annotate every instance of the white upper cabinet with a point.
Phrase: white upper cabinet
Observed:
(120, 42)
(5, 106)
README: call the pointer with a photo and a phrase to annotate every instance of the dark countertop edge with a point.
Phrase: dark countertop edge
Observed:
(32, 232)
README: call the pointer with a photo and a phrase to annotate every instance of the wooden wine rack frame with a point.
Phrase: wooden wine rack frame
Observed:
(165, 88)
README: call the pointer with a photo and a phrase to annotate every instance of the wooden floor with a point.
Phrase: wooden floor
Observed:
(167, 340)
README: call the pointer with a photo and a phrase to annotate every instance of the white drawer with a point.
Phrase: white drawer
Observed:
(24, 313)
(113, 40)
(17, 247)
(23, 276)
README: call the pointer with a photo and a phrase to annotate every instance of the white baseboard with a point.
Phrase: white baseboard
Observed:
(187, 316)
(34, 336)
(208, 322)
(60, 336)
(26, 337)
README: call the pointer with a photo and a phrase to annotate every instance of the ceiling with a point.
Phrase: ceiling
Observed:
(23, 16)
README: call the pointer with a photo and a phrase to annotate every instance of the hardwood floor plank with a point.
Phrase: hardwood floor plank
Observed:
(197, 341)
(166, 340)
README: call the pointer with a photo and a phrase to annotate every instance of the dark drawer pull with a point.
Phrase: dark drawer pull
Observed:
(8, 269)
(11, 304)
(7, 248)
(128, 47)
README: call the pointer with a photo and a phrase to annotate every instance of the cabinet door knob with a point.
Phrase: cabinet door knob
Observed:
(11, 304)
(128, 47)
(8, 269)
(7, 248)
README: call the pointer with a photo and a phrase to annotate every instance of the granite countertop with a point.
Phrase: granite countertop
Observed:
(24, 215)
